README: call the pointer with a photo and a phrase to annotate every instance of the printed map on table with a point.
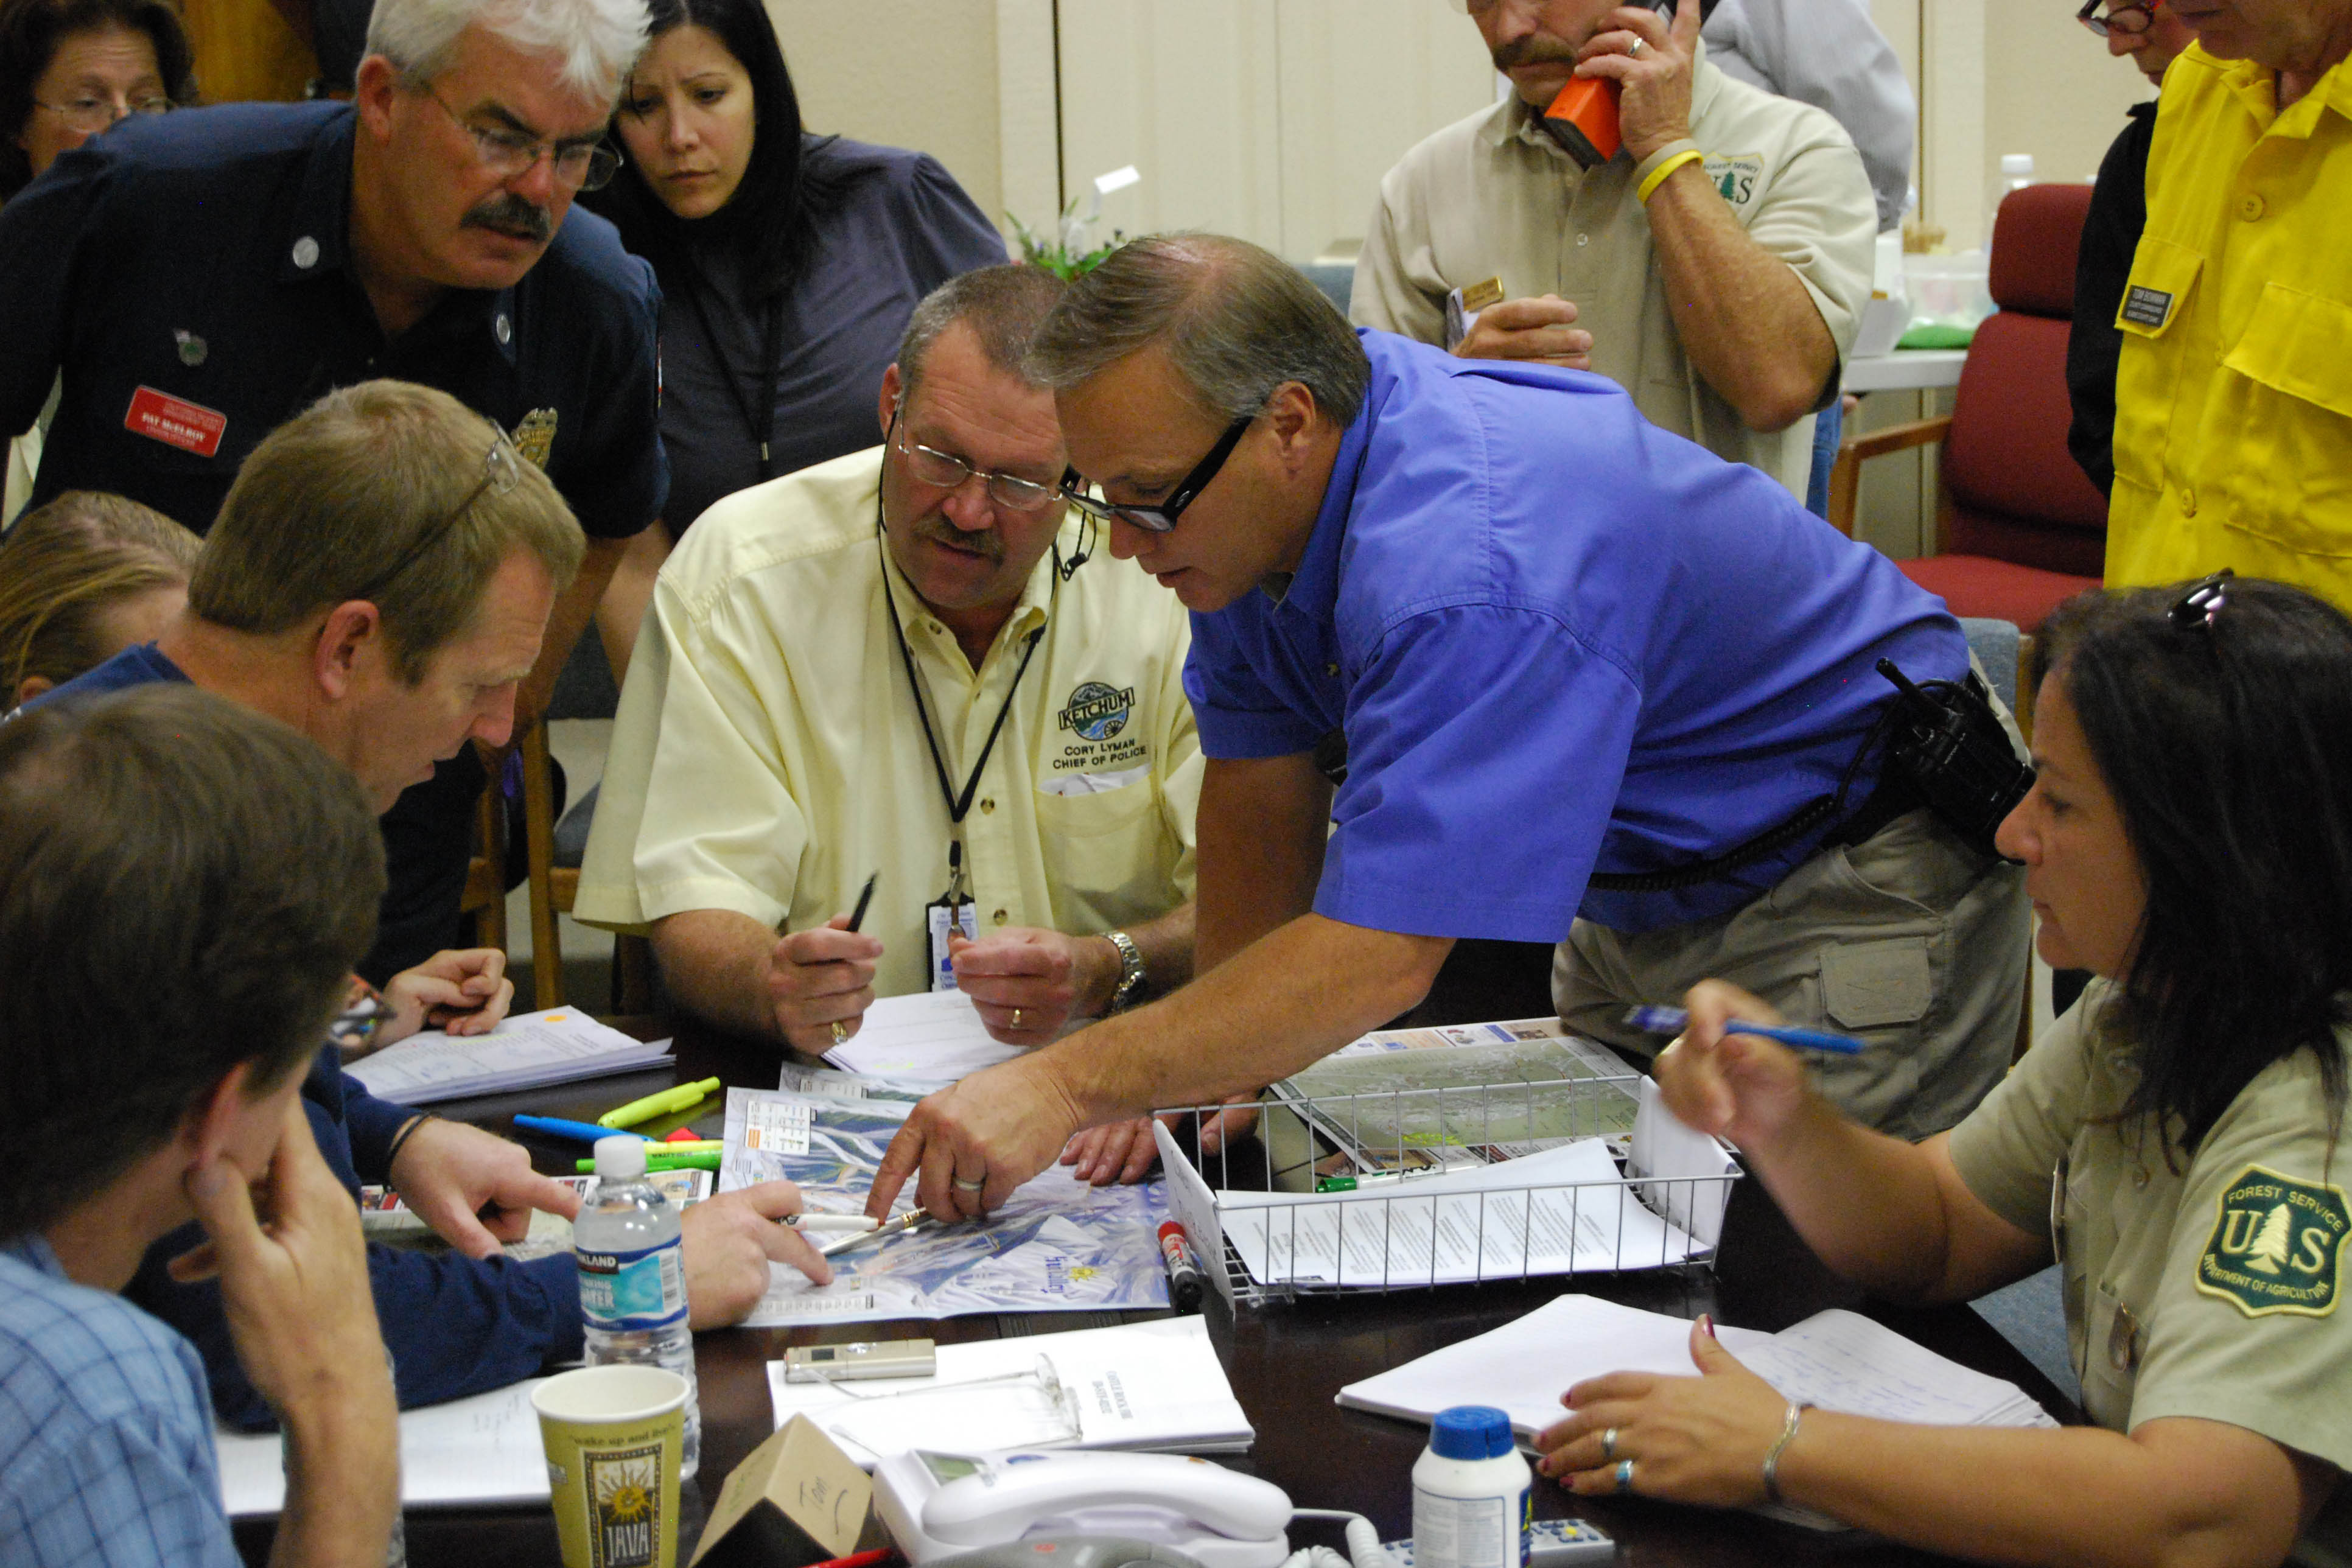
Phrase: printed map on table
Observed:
(1057, 1245)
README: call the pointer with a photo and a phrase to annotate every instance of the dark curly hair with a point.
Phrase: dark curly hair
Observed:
(30, 31)
(2227, 744)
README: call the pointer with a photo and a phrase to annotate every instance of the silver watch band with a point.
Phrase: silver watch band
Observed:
(1130, 969)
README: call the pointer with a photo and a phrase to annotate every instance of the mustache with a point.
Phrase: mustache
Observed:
(939, 530)
(1532, 51)
(507, 213)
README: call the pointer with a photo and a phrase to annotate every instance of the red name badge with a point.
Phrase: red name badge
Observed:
(191, 426)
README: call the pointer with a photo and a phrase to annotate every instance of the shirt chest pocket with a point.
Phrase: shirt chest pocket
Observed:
(2156, 297)
(2284, 411)
(1106, 850)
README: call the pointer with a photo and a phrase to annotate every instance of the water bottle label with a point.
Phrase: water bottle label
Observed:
(624, 1292)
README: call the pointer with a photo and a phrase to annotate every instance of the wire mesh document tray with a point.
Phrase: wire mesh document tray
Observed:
(1411, 1187)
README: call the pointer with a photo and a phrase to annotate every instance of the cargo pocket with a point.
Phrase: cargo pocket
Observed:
(2289, 420)
(2157, 294)
(1872, 984)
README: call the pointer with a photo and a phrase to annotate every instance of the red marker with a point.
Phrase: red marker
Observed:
(684, 1135)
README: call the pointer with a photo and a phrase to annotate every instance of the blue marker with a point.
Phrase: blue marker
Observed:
(1671, 1021)
(556, 1127)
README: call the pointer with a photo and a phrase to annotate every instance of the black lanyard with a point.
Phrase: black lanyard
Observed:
(759, 418)
(959, 805)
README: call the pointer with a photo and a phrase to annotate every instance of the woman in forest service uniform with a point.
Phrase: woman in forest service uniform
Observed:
(2173, 1142)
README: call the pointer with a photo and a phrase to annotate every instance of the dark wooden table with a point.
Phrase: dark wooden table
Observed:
(1286, 1362)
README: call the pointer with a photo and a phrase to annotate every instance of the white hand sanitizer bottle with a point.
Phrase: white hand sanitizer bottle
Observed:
(1470, 1502)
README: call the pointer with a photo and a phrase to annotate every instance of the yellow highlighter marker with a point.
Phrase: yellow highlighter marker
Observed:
(683, 1096)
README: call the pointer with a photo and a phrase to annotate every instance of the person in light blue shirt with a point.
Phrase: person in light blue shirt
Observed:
(184, 886)
(1594, 683)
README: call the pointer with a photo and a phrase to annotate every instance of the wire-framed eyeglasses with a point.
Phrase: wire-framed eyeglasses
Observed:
(2199, 607)
(2130, 18)
(946, 471)
(501, 472)
(1162, 517)
(90, 114)
(510, 154)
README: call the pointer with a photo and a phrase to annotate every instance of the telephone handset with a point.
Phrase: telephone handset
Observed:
(1582, 117)
(938, 1505)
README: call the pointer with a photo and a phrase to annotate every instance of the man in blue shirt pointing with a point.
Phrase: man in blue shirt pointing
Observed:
(1589, 675)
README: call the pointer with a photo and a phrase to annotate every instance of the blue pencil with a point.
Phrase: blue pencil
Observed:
(1671, 1021)
(586, 1132)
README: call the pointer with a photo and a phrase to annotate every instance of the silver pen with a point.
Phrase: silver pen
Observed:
(897, 1226)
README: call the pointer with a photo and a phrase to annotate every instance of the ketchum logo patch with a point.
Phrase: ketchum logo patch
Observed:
(1097, 712)
(2277, 1246)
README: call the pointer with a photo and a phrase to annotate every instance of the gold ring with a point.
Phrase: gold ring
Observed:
(840, 1035)
(1016, 1018)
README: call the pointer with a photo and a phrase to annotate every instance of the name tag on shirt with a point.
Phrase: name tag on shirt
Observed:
(2147, 307)
(190, 427)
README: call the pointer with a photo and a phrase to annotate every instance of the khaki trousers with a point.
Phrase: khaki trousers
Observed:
(1911, 941)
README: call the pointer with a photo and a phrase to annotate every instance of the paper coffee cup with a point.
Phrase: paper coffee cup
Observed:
(615, 1437)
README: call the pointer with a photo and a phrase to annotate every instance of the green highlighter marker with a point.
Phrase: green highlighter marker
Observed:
(684, 1096)
(701, 1160)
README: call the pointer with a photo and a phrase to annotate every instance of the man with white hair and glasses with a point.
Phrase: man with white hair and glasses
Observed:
(200, 278)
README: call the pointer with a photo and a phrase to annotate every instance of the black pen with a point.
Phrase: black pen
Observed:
(857, 915)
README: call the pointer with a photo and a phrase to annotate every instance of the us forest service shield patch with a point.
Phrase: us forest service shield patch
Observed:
(2277, 1246)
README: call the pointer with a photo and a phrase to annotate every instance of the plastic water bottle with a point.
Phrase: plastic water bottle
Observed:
(633, 1277)
(1470, 1493)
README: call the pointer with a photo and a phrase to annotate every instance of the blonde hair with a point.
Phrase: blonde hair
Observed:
(380, 491)
(64, 566)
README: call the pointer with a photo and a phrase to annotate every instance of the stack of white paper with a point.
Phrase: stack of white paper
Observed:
(1837, 1360)
(537, 1048)
(481, 1451)
(1555, 1212)
(933, 1035)
(1150, 1386)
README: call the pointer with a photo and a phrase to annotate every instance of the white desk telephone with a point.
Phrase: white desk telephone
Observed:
(940, 1505)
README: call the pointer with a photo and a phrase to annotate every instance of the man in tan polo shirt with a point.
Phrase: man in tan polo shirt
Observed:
(1715, 266)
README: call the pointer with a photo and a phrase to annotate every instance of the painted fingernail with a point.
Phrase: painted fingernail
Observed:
(1707, 1322)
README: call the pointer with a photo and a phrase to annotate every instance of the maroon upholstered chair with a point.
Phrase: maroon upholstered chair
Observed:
(2020, 528)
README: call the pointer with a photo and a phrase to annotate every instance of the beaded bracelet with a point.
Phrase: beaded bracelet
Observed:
(1780, 1444)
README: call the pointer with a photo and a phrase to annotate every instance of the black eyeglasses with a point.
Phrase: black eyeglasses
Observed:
(501, 471)
(2131, 18)
(1161, 517)
(2202, 603)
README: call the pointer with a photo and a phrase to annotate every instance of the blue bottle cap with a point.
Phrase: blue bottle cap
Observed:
(1470, 1432)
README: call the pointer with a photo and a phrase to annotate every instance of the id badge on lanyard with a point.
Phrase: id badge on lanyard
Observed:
(950, 913)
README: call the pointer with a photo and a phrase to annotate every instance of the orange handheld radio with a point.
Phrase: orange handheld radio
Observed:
(1584, 116)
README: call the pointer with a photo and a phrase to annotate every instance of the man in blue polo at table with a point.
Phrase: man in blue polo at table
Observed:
(198, 278)
(1589, 675)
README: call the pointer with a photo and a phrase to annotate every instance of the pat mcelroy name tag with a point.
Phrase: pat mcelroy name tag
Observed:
(2146, 307)
(190, 427)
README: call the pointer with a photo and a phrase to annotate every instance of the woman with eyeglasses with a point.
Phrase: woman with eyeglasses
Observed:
(70, 68)
(2174, 1142)
(789, 264)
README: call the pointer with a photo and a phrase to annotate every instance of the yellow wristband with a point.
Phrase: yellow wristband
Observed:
(1657, 176)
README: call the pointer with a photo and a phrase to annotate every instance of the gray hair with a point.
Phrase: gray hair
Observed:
(1003, 306)
(596, 40)
(1237, 322)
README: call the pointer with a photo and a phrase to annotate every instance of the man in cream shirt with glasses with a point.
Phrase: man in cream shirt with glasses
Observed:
(947, 699)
